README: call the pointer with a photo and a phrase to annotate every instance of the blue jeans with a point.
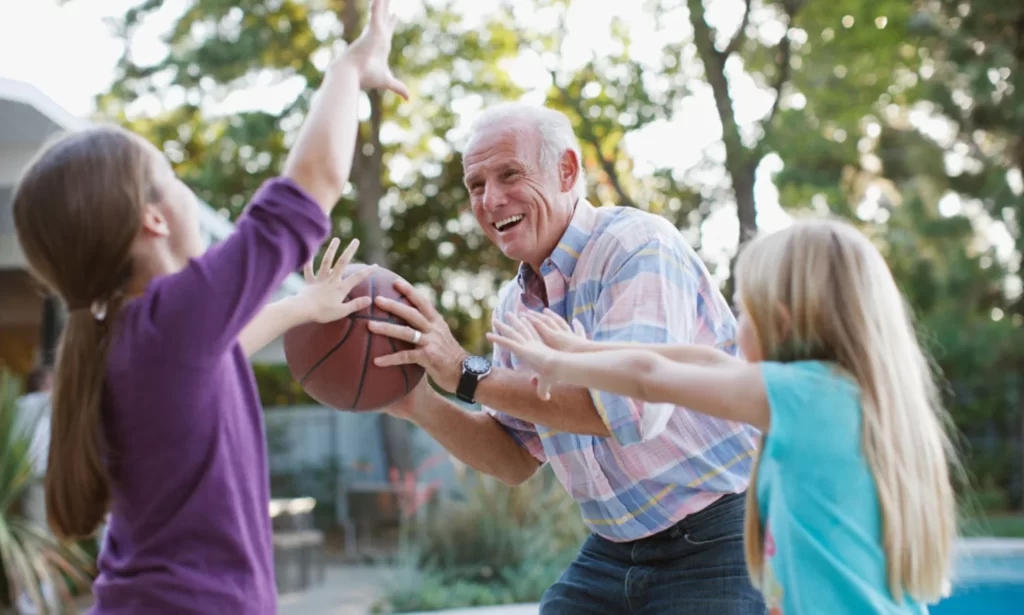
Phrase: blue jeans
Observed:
(695, 567)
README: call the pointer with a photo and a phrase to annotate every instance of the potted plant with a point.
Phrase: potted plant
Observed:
(30, 556)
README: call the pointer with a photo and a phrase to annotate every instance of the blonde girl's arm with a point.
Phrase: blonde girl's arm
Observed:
(681, 353)
(731, 390)
(557, 334)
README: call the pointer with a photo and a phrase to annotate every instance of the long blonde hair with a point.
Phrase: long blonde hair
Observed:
(821, 290)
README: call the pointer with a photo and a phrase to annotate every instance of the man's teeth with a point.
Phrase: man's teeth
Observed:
(507, 221)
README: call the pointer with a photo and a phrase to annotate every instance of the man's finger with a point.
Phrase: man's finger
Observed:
(399, 332)
(407, 313)
(417, 300)
(402, 357)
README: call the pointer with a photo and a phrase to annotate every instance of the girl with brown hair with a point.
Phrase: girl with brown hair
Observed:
(155, 410)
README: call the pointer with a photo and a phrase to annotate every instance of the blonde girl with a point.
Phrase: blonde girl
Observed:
(851, 507)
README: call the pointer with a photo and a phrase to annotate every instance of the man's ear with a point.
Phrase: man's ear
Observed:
(568, 170)
(154, 223)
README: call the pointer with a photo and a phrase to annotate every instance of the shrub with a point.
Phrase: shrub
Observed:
(491, 545)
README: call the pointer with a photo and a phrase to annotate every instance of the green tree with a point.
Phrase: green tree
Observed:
(908, 113)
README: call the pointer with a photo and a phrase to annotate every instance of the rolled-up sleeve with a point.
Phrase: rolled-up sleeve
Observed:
(650, 295)
(521, 431)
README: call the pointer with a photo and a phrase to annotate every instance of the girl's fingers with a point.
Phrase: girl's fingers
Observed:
(507, 331)
(327, 262)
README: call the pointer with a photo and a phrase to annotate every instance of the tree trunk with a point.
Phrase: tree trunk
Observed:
(396, 437)
(743, 177)
(740, 162)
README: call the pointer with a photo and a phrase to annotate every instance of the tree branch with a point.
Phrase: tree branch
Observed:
(714, 71)
(609, 169)
(784, 53)
(741, 35)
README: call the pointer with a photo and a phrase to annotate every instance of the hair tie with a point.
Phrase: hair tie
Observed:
(98, 309)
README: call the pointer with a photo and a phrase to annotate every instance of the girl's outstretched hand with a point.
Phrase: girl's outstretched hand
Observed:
(521, 339)
(325, 298)
(556, 333)
(370, 51)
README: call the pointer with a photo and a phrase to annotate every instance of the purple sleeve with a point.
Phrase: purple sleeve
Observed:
(201, 309)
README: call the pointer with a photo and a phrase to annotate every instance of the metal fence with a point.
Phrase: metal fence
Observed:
(328, 454)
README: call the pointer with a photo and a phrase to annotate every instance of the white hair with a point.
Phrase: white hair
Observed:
(554, 128)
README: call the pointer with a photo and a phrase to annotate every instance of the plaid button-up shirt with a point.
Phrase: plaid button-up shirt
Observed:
(629, 276)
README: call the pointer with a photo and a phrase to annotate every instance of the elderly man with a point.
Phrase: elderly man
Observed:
(660, 487)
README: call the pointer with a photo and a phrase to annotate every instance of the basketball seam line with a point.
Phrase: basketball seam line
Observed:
(405, 376)
(369, 346)
(327, 355)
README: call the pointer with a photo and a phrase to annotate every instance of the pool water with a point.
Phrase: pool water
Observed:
(983, 599)
(988, 585)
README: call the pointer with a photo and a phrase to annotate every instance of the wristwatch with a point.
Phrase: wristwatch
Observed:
(474, 369)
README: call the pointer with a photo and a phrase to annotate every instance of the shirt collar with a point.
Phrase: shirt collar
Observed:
(570, 246)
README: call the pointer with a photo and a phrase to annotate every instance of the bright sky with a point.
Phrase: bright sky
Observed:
(68, 53)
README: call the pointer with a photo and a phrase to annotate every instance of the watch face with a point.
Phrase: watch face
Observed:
(476, 365)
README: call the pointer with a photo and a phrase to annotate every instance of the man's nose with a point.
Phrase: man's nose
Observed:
(494, 196)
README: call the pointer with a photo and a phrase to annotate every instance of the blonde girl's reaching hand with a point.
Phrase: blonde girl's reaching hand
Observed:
(729, 389)
(557, 334)
(521, 338)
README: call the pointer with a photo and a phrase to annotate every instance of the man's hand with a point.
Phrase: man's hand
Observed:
(437, 350)
(324, 299)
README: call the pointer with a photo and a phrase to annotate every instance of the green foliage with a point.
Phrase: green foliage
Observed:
(493, 545)
(863, 92)
(29, 554)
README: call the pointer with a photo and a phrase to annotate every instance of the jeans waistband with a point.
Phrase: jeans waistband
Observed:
(728, 503)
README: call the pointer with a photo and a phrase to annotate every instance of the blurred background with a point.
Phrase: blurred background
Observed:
(727, 117)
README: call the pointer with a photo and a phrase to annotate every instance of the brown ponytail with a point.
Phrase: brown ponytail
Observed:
(78, 210)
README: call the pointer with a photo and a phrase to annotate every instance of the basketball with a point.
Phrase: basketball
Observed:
(333, 362)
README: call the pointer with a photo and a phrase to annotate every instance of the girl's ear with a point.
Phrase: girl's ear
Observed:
(154, 223)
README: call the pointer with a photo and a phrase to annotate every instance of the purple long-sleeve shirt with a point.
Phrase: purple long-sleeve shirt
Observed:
(190, 528)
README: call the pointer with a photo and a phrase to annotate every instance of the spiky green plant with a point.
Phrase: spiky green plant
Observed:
(29, 555)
